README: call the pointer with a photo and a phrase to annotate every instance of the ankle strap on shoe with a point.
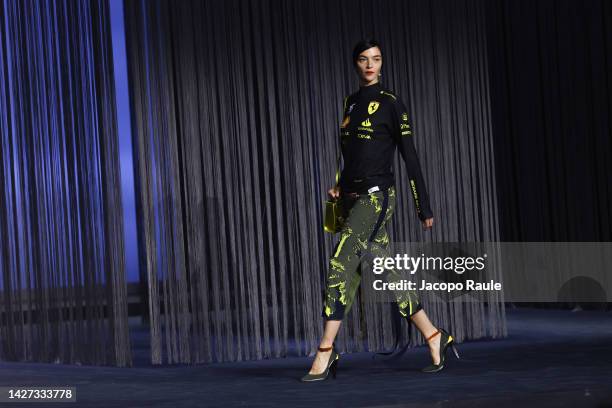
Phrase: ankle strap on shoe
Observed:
(433, 335)
(325, 348)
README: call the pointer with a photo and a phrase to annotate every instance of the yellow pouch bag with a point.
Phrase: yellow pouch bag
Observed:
(333, 216)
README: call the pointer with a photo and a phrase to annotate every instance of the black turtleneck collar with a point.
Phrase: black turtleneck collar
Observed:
(370, 90)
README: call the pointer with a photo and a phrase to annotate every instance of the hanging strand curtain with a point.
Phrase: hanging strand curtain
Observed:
(63, 293)
(551, 69)
(236, 109)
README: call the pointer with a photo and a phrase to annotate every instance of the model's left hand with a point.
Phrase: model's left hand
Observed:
(428, 223)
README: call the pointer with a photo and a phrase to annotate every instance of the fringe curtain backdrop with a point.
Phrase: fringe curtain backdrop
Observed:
(551, 69)
(63, 294)
(236, 109)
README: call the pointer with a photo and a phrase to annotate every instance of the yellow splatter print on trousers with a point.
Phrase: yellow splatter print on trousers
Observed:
(364, 232)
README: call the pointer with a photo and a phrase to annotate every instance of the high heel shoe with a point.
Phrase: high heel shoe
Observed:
(332, 364)
(445, 341)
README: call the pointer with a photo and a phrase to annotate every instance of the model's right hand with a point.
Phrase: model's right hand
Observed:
(334, 192)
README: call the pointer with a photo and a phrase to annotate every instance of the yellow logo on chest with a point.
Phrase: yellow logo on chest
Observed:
(372, 107)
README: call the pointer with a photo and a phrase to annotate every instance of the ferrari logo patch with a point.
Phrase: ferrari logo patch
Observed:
(372, 107)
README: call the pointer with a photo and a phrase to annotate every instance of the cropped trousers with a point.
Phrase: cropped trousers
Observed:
(363, 234)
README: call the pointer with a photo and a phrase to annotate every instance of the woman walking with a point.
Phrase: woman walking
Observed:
(375, 123)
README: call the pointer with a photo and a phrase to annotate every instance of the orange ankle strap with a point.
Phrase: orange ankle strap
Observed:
(325, 348)
(433, 335)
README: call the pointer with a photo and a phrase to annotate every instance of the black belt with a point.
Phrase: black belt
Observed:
(371, 190)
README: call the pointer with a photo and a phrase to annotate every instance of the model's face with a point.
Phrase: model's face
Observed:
(368, 65)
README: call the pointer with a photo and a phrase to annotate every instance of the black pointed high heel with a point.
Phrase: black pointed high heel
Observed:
(445, 341)
(332, 365)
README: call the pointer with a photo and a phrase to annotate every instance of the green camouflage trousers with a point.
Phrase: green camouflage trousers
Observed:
(363, 234)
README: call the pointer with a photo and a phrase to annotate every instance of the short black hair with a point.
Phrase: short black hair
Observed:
(363, 45)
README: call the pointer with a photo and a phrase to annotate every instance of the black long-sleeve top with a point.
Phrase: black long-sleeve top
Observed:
(375, 122)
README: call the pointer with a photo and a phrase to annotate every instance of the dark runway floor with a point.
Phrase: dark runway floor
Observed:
(550, 359)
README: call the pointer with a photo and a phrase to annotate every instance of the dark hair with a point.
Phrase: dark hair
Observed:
(363, 45)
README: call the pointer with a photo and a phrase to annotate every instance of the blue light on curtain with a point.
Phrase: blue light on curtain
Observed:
(61, 222)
